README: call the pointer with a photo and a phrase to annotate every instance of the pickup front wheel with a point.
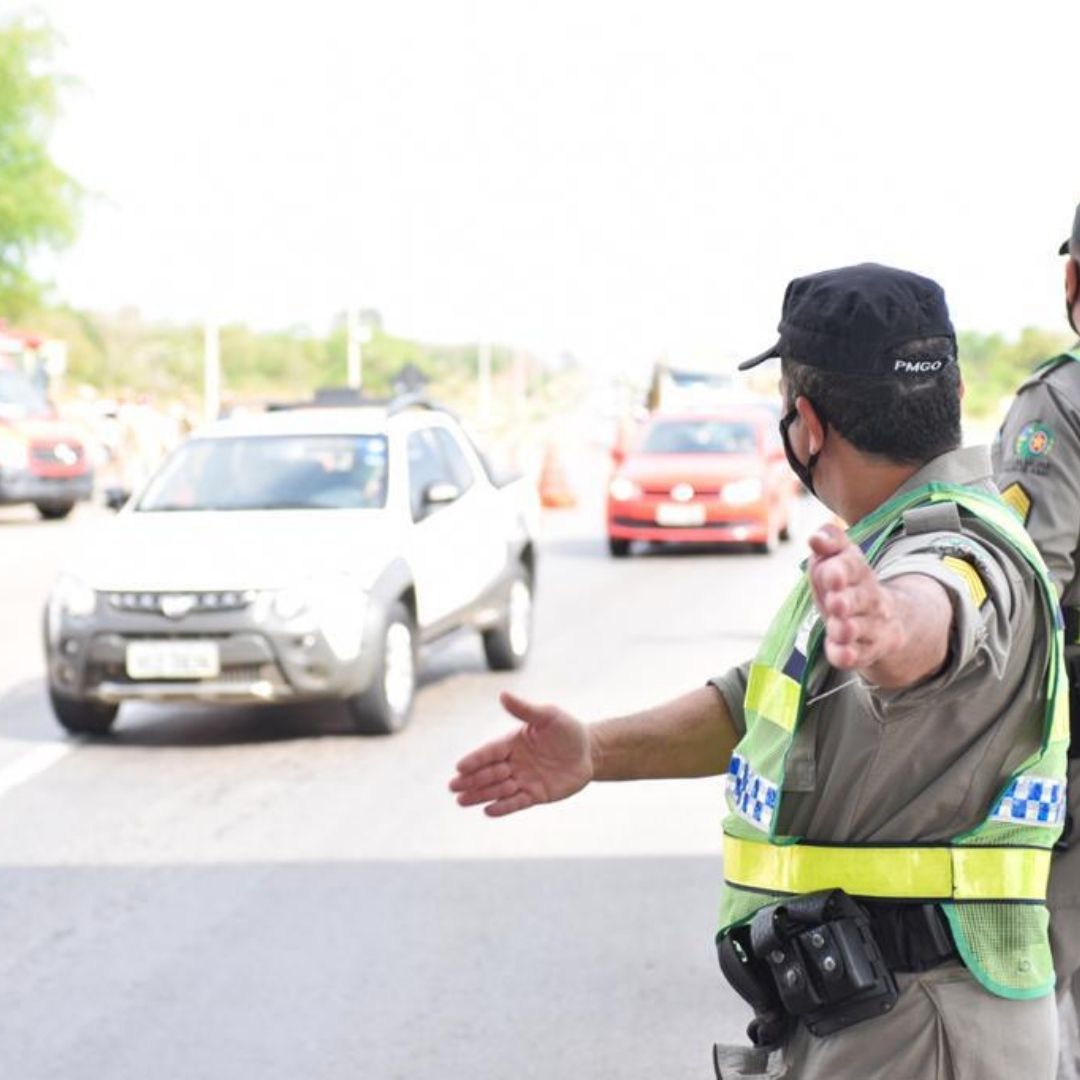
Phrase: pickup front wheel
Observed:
(384, 708)
(82, 717)
(506, 645)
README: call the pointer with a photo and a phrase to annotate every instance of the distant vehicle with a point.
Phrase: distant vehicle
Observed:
(674, 389)
(702, 477)
(296, 555)
(43, 459)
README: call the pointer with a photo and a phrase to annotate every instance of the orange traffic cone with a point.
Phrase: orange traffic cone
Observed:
(555, 490)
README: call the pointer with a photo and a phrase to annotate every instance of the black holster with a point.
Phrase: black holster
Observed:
(813, 958)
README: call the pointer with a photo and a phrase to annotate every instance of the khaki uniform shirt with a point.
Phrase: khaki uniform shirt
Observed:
(924, 763)
(1037, 465)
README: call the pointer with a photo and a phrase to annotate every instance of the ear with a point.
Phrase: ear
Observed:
(961, 389)
(1072, 281)
(815, 429)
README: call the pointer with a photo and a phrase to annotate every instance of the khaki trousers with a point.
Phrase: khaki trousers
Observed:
(944, 1026)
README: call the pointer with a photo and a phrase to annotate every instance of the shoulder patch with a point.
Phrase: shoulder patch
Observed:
(970, 577)
(1018, 498)
(1035, 441)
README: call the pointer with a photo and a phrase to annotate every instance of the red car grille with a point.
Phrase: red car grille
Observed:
(665, 492)
(59, 458)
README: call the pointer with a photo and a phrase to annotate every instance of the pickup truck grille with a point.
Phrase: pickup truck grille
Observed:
(177, 605)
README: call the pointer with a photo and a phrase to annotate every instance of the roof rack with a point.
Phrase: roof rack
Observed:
(350, 397)
(416, 400)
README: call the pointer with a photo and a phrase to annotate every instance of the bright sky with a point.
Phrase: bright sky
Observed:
(618, 179)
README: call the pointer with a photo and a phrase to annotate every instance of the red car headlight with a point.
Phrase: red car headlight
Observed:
(622, 489)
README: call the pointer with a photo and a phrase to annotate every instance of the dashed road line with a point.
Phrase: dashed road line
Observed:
(32, 764)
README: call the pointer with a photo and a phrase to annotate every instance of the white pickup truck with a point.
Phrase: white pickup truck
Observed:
(295, 555)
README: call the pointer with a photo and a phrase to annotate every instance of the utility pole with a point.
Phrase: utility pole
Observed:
(353, 355)
(484, 379)
(211, 371)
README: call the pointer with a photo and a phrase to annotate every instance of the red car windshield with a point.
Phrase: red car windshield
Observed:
(700, 437)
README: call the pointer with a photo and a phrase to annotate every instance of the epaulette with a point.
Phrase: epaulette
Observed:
(932, 517)
(1048, 367)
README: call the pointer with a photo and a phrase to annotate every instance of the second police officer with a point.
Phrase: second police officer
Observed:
(1037, 463)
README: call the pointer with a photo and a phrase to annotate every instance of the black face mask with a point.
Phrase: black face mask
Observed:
(803, 472)
(1070, 307)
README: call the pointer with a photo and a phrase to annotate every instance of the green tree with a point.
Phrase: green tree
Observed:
(994, 367)
(38, 200)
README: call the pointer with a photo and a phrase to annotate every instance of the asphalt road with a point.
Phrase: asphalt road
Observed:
(216, 895)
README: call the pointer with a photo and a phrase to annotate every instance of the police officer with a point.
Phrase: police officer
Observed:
(895, 752)
(1037, 463)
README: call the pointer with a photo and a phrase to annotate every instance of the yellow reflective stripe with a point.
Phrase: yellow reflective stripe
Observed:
(899, 873)
(970, 577)
(1059, 729)
(773, 695)
(986, 873)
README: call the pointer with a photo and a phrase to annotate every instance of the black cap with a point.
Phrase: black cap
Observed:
(853, 319)
(1073, 240)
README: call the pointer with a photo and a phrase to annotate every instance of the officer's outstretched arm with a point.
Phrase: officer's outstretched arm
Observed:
(894, 633)
(552, 755)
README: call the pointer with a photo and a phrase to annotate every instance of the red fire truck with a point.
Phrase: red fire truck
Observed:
(44, 460)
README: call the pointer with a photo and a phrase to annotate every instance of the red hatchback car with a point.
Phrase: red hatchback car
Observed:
(715, 477)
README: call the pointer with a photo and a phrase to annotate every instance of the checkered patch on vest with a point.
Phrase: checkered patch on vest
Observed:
(753, 797)
(1032, 800)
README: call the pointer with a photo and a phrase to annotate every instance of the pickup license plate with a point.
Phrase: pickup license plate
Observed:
(173, 660)
(684, 514)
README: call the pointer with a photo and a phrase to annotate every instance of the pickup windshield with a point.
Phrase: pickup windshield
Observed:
(19, 397)
(700, 437)
(271, 472)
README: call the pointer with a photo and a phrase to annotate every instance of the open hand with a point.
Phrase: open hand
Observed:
(546, 759)
(856, 609)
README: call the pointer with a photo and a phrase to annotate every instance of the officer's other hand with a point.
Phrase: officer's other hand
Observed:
(856, 609)
(546, 759)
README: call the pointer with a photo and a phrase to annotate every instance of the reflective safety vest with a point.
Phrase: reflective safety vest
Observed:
(990, 881)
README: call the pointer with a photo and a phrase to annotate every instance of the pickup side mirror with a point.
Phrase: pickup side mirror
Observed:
(440, 493)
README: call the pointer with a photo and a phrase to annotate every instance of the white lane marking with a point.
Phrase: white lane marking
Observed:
(32, 764)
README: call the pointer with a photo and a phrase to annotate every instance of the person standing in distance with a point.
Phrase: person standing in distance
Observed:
(894, 754)
(1037, 464)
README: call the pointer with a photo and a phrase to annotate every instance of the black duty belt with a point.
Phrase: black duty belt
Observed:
(912, 937)
(828, 960)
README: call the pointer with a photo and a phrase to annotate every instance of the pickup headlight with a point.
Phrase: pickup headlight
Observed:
(69, 597)
(623, 489)
(289, 603)
(335, 606)
(741, 492)
(73, 597)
